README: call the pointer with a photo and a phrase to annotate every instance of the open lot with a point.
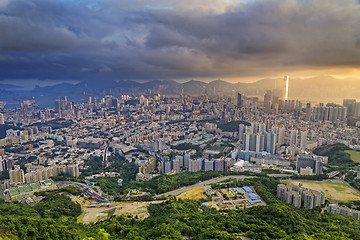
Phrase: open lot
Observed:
(355, 155)
(93, 213)
(334, 189)
(193, 194)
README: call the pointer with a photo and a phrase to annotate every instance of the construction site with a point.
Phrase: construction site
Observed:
(225, 198)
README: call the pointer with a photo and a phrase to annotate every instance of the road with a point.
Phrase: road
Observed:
(201, 184)
(87, 191)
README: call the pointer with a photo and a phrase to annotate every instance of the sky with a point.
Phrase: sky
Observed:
(233, 40)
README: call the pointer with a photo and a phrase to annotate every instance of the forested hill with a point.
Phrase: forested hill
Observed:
(175, 219)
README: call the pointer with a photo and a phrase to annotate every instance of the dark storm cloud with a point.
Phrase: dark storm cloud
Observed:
(138, 39)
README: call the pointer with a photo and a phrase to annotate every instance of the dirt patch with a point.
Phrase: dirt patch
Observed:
(195, 193)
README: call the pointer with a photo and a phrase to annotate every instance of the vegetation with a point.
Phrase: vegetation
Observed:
(352, 180)
(94, 165)
(354, 155)
(56, 206)
(336, 154)
(4, 127)
(4, 175)
(126, 169)
(69, 189)
(15, 209)
(351, 121)
(232, 126)
(55, 124)
(176, 218)
(186, 146)
(119, 164)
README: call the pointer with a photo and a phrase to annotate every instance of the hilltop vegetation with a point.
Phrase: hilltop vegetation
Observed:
(232, 126)
(336, 154)
(175, 219)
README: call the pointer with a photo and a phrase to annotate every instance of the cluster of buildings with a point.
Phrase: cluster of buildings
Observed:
(300, 197)
(146, 129)
(17, 175)
(343, 210)
(307, 164)
(185, 163)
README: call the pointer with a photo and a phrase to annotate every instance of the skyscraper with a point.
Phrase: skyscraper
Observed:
(314, 162)
(308, 112)
(16, 176)
(270, 142)
(240, 100)
(293, 137)
(281, 137)
(303, 138)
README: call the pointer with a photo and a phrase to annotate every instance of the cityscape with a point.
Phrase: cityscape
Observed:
(169, 120)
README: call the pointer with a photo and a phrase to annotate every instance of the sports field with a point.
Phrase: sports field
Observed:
(334, 189)
(355, 155)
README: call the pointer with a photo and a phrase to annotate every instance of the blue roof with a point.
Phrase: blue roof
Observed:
(256, 201)
(247, 189)
(238, 190)
(253, 196)
(205, 204)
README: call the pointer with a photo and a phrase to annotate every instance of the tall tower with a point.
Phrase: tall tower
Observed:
(294, 137)
(240, 100)
(303, 138)
(286, 87)
(308, 112)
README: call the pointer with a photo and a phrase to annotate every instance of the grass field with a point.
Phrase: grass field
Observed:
(355, 155)
(333, 189)
(195, 193)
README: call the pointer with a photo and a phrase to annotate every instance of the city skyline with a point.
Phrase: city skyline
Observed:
(168, 119)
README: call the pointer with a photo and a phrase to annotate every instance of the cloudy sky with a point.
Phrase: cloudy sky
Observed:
(234, 40)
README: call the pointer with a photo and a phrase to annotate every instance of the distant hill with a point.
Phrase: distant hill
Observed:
(308, 88)
(8, 86)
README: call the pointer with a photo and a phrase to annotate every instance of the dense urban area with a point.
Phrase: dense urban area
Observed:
(180, 167)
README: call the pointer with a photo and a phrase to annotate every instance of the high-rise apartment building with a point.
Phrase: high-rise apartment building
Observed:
(16, 176)
(240, 100)
(300, 197)
(293, 137)
(314, 162)
(308, 112)
(303, 139)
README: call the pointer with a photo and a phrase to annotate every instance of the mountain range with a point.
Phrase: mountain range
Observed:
(326, 87)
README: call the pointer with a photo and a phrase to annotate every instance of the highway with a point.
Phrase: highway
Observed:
(91, 194)
(86, 189)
